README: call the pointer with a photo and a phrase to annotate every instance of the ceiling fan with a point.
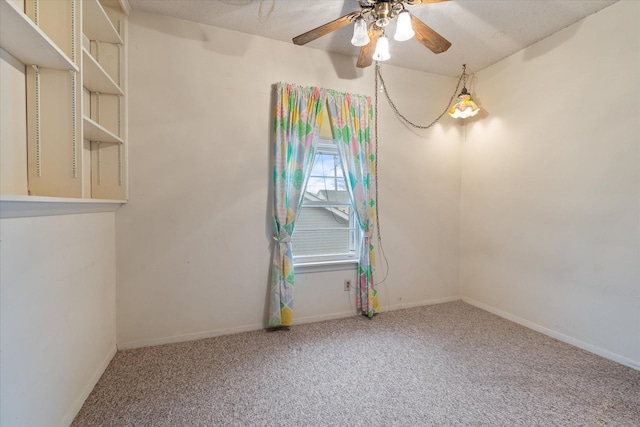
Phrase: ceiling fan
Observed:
(376, 14)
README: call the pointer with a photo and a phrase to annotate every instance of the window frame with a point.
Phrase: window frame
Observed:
(330, 262)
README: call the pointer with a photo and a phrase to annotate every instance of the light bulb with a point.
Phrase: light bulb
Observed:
(360, 36)
(404, 31)
(382, 22)
(382, 49)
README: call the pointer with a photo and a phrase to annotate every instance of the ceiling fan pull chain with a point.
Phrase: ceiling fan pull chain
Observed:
(395, 109)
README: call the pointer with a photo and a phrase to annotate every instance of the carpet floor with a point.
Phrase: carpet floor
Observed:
(449, 364)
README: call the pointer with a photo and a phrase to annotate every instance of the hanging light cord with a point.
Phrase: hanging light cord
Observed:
(395, 109)
(375, 174)
(379, 79)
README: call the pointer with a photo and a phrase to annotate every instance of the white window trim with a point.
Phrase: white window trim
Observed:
(322, 266)
(313, 264)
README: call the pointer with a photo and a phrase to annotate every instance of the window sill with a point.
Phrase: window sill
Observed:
(322, 266)
(13, 206)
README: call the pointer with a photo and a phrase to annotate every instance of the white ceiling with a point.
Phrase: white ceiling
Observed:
(482, 32)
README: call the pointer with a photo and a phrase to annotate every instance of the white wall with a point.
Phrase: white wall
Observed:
(550, 225)
(57, 317)
(194, 242)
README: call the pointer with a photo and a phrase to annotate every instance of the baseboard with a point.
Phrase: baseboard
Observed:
(419, 303)
(254, 327)
(86, 391)
(225, 331)
(323, 317)
(352, 313)
(188, 337)
(555, 334)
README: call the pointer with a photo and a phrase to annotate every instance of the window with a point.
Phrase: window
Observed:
(326, 230)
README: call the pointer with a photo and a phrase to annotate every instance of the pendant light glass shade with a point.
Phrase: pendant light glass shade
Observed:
(465, 107)
(404, 31)
(382, 49)
(360, 36)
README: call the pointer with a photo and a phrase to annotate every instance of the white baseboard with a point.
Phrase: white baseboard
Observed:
(420, 303)
(323, 317)
(555, 334)
(254, 327)
(225, 331)
(319, 318)
(188, 337)
(86, 391)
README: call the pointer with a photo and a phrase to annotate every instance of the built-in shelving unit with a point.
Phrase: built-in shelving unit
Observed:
(70, 58)
(102, 69)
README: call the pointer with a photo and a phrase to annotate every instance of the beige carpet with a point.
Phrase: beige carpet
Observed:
(443, 365)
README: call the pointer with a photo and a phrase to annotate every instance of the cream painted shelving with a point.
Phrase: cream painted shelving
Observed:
(95, 132)
(95, 78)
(70, 58)
(27, 43)
(97, 25)
(103, 60)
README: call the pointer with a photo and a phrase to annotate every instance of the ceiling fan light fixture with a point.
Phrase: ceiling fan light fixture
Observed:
(376, 15)
(360, 36)
(404, 30)
(382, 49)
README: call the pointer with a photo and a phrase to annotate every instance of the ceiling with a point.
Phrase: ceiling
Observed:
(482, 32)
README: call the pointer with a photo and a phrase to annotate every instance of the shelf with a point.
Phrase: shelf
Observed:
(32, 206)
(95, 132)
(29, 44)
(123, 5)
(96, 24)
(95, 78)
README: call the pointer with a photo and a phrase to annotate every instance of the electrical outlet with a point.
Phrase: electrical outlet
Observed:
(347, 284)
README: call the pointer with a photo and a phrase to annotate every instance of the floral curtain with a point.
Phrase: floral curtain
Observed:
(296, 122)
(351, 119)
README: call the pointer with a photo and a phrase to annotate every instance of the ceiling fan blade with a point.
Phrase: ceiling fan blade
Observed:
(365, 58)
(428, 37)
(324, 29)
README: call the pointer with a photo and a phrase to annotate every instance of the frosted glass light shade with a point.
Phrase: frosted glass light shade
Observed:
(465, 107)
(360, 36)
(404, 31)
(382, 49)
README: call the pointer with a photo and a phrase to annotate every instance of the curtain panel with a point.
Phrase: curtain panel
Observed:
(297, 117)
(351, 119)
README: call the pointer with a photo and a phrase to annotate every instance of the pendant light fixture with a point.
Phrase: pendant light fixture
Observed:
(465, 107)
(382, 87)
